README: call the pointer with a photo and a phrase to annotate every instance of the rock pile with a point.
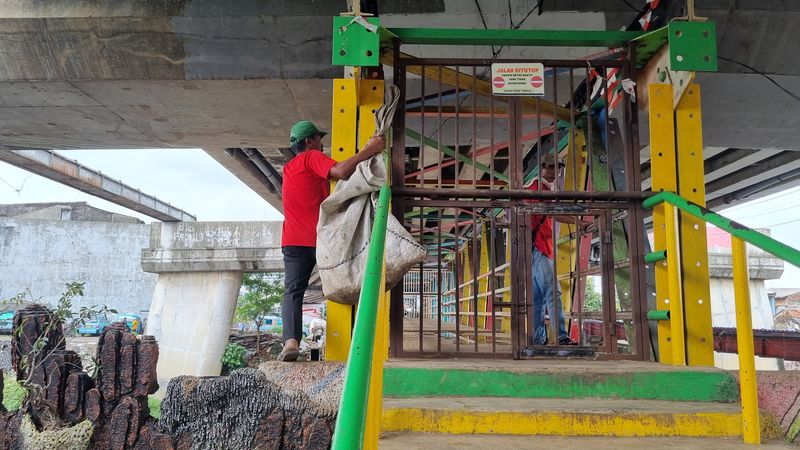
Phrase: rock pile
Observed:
(69, 404)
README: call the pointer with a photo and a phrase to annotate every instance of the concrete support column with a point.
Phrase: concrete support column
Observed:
(191, 316)
(200, 267)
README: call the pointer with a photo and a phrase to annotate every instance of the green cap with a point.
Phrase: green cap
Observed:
(302, 130)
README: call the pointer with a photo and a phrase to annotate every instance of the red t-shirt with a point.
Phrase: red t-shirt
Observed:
(305, 186)
(542, 226)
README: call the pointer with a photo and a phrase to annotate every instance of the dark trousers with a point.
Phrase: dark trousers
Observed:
(298, 262)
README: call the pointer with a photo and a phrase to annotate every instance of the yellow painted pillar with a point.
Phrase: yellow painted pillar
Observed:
(751, 430)
(466, 296)
(505, 324)
(662, 169)
(380, 354)
(567, 252)
(344, 126)
(693, 243)
(674, 299)
(483, 284)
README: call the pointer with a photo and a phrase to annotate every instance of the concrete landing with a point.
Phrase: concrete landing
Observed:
(561, 417)
(557, 378)
(432, 441)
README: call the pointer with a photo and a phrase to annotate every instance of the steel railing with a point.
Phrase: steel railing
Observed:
(744, 324)
(351, 419)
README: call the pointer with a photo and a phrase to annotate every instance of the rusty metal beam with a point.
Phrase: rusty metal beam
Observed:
(56, 167)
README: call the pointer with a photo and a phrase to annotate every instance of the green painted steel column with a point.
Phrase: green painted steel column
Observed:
(349, 431)
(736, 229)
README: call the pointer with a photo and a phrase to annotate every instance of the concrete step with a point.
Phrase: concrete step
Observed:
(433, 441)
(561, 417)
(557, 378)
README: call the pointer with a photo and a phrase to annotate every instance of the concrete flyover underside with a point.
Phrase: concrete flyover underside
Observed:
(235, 75)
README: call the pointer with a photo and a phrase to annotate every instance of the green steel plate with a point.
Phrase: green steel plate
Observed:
(354, 44)
(693, 46)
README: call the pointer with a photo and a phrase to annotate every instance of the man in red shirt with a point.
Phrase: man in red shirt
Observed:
(305, 185)
(545, 291)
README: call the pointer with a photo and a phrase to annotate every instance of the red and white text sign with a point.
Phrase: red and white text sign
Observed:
(518, 79)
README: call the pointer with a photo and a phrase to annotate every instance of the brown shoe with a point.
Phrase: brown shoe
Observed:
(288, 354)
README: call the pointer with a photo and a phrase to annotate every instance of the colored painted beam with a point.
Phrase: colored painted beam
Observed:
(537, 38)
(564, 418)
(466, 82)
(451, 152)
(700, 386)
(762, 241)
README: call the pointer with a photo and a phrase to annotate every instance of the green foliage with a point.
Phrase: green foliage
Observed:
(13, 394)
(233, 358)
(262, 293)
(593, 301)
(155, 406)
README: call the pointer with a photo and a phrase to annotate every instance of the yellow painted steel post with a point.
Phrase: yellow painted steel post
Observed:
(466, 296)
(505, 324)
(370, 94)
(751, 429)
(694, 246)
(380, 354)
(567, 253)
(664, 176)
(674, 302)
(344, 126)
(483, 284)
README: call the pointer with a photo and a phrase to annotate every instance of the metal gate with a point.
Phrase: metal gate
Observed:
(465, 169)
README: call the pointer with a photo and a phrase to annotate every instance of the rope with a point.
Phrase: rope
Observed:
(385, 114)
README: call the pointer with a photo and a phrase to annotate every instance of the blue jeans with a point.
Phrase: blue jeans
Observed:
(543, 297)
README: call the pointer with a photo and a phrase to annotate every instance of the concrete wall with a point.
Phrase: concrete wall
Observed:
(76, 211)
(723, 314)
(43, 255)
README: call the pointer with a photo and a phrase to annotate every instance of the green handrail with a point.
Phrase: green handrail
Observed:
(742, 232)
(350, 422)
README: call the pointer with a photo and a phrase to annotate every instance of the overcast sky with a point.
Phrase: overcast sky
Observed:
(196, 183)
(189, 179)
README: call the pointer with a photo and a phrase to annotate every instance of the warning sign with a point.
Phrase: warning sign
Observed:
(518, 79)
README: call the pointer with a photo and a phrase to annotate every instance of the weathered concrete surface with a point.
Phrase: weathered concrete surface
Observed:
(74, 211)
(191, 316)
(425, 441)
(217, 74)
(214, 246)
(44, 255)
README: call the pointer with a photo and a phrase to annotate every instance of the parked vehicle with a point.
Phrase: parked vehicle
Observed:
(271, 323)
(133, 321)
(6, 322)
(94, 326)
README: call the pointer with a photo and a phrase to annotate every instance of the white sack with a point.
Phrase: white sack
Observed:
(344, 231)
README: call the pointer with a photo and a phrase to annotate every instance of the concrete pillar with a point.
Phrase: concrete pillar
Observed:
(200, 267)
(191, 316)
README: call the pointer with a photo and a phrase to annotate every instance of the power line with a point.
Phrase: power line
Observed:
(763, 200)
(630, 6)
(792, 94)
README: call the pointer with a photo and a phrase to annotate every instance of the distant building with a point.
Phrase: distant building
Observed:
(44, 246)
(74, 211)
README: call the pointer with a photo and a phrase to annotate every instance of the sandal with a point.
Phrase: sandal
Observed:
(288, 355)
